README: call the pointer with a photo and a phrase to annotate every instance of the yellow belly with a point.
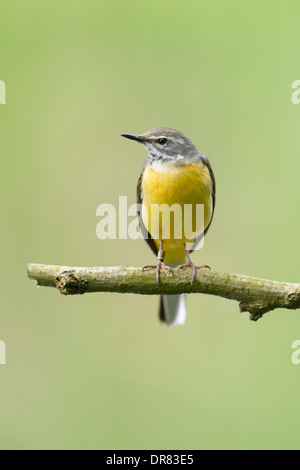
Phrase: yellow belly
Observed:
(184, 186)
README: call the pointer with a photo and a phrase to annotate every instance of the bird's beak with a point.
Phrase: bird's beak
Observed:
(138, 138)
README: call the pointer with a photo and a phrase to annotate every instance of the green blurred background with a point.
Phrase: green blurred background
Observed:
(100, 371)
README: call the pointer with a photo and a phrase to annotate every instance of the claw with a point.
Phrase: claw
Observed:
(149, 266)
(191, 265)
(158, 267)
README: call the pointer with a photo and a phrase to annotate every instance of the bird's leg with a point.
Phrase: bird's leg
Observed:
(160, 259)
(190, 264)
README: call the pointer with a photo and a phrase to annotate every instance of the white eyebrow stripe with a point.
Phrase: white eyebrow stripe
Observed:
(179, 140)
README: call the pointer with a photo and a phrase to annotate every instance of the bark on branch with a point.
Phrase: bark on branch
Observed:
(256, 296)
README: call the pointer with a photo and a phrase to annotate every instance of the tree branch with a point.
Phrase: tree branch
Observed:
(256, 296)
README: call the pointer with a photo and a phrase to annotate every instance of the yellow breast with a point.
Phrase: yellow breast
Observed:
(185, 186)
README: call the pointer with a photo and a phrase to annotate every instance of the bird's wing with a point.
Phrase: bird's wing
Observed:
(139, 194)
(213, 195)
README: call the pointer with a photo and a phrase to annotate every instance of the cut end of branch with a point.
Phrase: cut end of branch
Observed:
(69, 284)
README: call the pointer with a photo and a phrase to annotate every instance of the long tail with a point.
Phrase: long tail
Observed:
(172, 309)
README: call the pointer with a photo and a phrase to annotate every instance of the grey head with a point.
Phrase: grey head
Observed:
(164, 144)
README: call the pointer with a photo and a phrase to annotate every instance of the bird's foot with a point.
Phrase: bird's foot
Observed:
(158, 268)
(194, 268)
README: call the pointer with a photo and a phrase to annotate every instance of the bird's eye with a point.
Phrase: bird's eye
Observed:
(162, 141)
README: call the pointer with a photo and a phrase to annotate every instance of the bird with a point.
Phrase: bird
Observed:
(175, 172)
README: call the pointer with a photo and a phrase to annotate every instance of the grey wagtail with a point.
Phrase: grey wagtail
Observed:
(175, 172)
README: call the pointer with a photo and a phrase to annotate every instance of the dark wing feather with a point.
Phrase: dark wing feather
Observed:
(161, 314)
(213, 194)
(145, 233)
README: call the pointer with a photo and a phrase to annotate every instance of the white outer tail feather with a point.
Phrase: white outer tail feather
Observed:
(175, 309)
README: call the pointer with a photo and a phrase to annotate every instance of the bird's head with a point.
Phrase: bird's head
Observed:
(165, 144)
